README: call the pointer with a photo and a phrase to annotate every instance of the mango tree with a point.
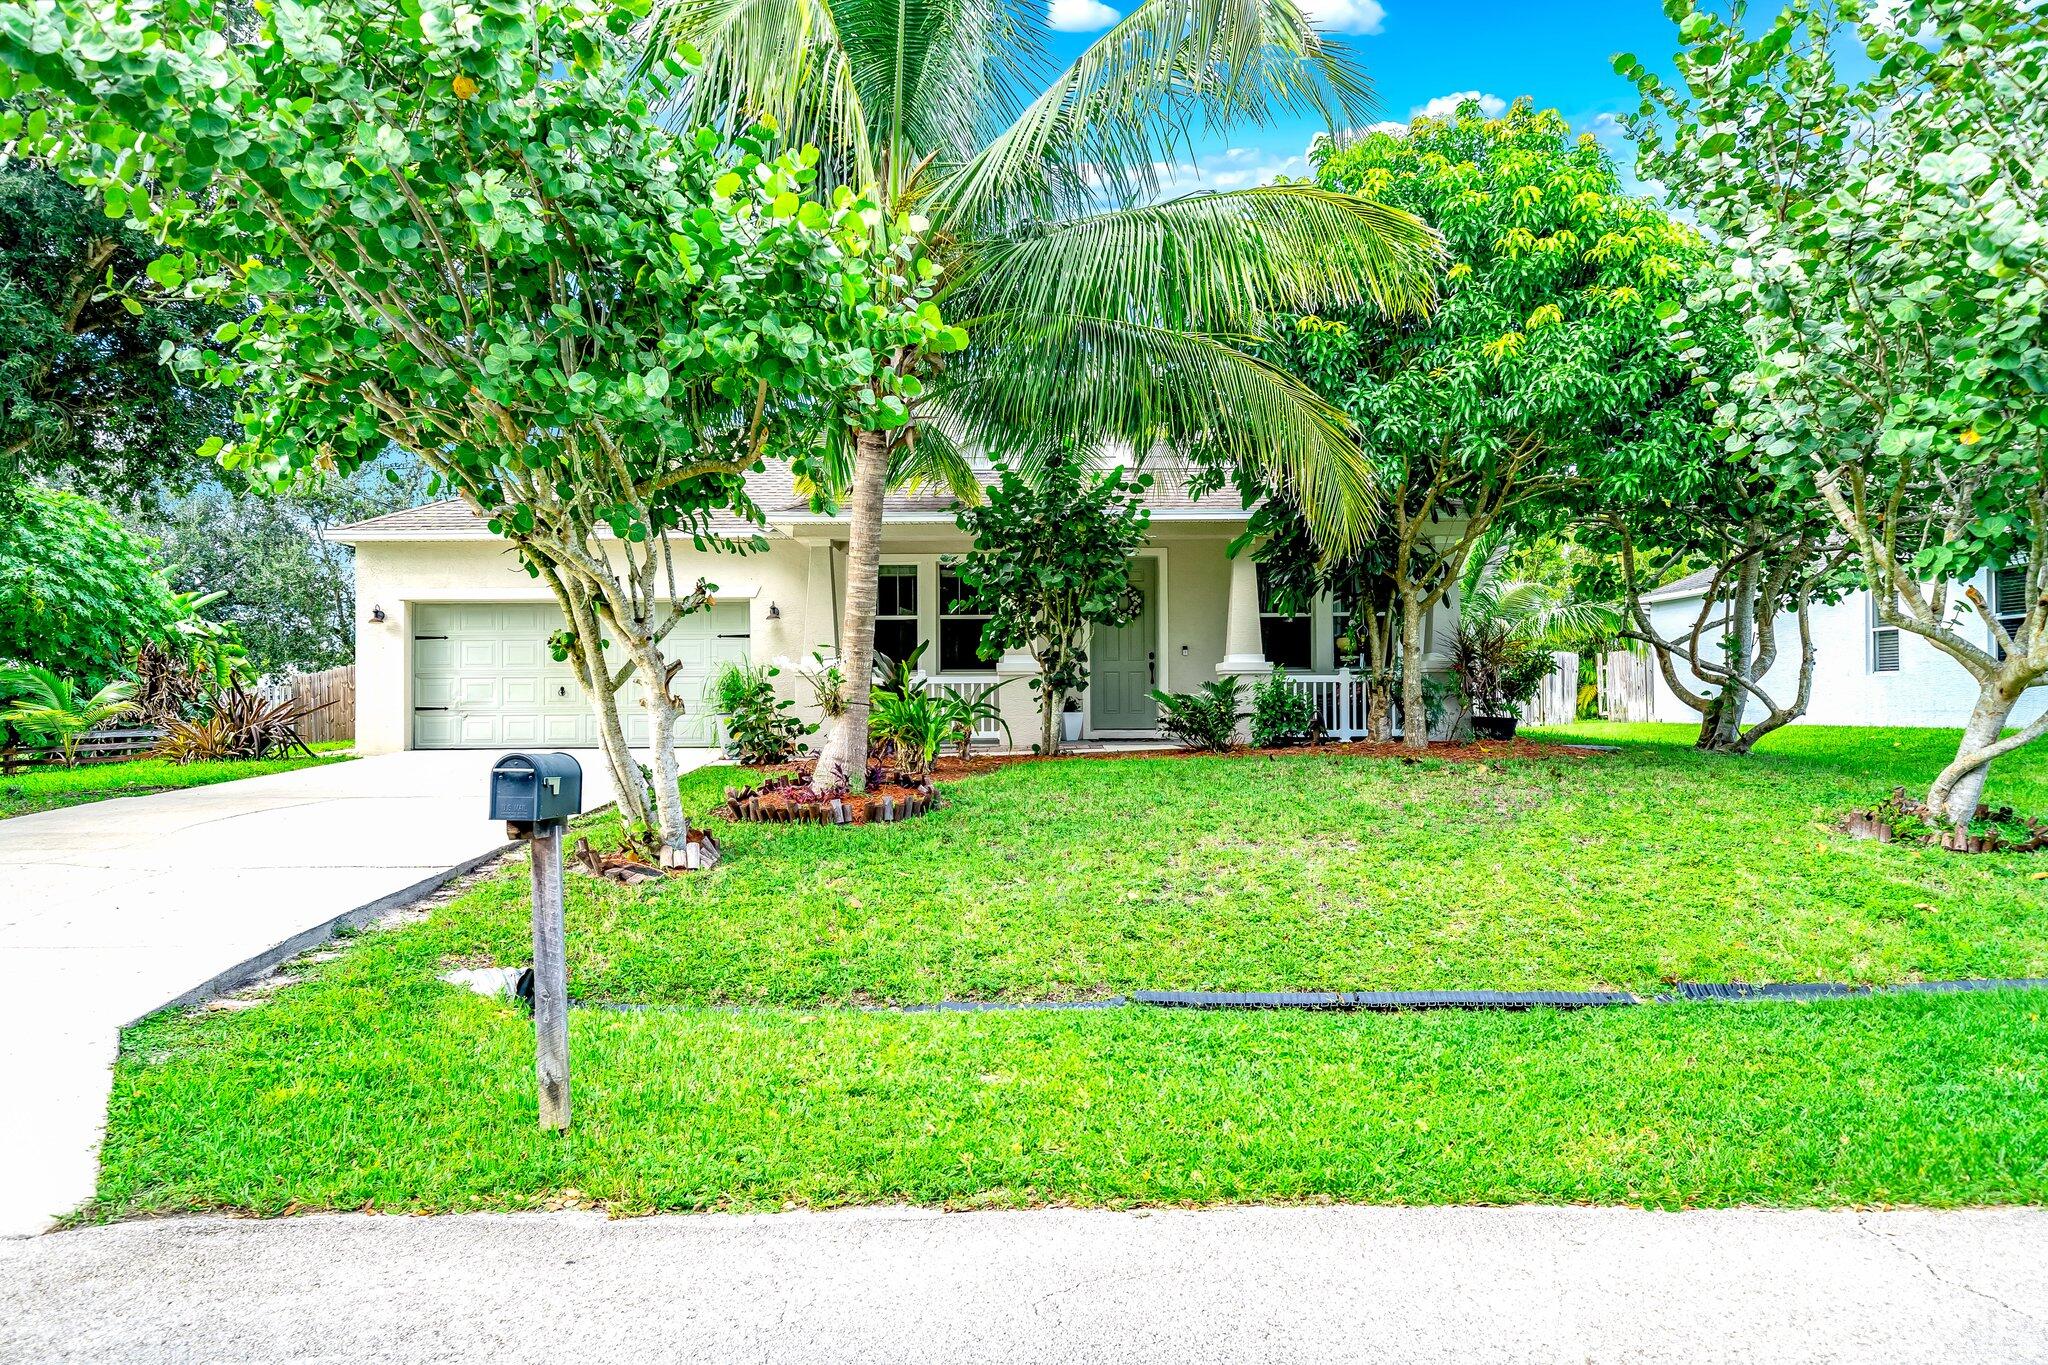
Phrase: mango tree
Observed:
(1543, 363)
(464, 231)
(1889, 243)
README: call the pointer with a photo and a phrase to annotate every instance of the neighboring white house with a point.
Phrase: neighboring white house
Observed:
(451, 633)
(1865, 672)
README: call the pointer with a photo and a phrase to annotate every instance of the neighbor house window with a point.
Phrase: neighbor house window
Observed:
(1284, 638)
(959, 631)
(2009, 598)
(1884, 642)
(896, 611)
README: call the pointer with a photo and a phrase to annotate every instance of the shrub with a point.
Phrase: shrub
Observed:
(914, 725)
(238, 724)
(1282, 714)
(1497, 670)
(42, 708)
(1202, 720)
(759, 728)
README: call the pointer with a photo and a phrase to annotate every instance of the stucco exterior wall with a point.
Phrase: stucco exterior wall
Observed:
(795, 590)
(1929, 688)
(396, 576)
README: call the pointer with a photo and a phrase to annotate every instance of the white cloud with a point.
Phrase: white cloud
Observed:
(1345, 16)
(1446, 106)
(1236, 169)
(1081, 16)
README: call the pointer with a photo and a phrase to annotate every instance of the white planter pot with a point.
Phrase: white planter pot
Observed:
(1070, 726)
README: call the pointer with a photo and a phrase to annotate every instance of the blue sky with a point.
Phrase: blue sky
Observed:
(1417, 52)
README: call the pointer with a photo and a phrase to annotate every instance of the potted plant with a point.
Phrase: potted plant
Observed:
(1070, 721)
(1498, 673)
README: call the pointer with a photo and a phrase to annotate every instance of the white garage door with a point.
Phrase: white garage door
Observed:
(483, 677)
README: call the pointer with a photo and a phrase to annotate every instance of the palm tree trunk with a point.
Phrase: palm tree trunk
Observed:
(845, 755)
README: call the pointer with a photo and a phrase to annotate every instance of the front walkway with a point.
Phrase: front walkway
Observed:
(112, 910)
(1252, 1284)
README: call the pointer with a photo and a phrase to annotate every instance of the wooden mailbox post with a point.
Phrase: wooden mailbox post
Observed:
(535, 794)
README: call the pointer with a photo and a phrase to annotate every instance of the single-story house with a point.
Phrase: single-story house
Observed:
(451, 633)
(1865, 672)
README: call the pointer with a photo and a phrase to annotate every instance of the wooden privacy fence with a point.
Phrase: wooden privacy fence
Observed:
(333, 690)
(96, 746)
(1626, 683)
(1557, 701)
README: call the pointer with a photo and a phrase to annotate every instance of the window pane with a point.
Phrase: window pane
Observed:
(896, 590)
(1285, 640)
(1265, 590)
(951, 590)
(960, 646)
(896, 639)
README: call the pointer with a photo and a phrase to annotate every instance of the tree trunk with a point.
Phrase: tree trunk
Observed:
(672, 823)
(844, 758)
(594, 676)
(1959, 789)
(1726, 717)
(1049, 707)
(1414, 711)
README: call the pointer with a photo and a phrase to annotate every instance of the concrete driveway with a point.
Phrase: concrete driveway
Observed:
(112, 910)
(1455, 1285)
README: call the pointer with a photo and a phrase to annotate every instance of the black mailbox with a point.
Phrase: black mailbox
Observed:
(529, 789)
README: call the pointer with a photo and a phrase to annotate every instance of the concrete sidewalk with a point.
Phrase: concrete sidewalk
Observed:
(112, 910)
(1251, 1284)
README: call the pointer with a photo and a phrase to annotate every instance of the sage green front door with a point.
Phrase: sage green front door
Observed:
(1122, 663)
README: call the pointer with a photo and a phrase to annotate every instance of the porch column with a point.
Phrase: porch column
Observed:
(821, 604)
(1243, 651)
(1019, 703)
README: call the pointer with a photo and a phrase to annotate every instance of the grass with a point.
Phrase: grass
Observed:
(1088, 878)
(48, 788)
(371, 1084)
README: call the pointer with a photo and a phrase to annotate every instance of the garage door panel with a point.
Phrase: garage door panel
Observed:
(501, 686)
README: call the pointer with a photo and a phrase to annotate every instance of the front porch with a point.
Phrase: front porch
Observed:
(1207, 615)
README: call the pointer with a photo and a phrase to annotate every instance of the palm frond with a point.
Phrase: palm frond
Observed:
(929, 457)
(781, 60)
(1090, 382)
(1216, 263)
(1131, 104)
(881, 87)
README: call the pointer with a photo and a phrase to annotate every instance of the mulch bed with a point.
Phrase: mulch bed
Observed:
(1485, 751)
(786, 798)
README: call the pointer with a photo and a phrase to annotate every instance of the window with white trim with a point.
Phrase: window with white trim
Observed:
(959, 631)
(1884, 641)
(1287, 640)
(896, 611)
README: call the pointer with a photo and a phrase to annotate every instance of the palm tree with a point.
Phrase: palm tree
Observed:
(1097, 318)
(37, 702)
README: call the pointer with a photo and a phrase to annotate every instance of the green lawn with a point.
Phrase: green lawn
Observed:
(1087, 878)
(371, 1084)
(48, 788)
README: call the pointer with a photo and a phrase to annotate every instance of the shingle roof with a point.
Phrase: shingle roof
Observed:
(1692, 585)
(774, 492)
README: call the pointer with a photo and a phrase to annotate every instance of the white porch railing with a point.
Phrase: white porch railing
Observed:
(1339, 701)
(971, 689)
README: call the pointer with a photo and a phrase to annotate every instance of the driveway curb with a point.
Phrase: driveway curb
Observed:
(250, 970)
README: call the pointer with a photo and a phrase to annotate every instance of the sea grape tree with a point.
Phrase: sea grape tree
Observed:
(1889, 245)
(459, 227)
